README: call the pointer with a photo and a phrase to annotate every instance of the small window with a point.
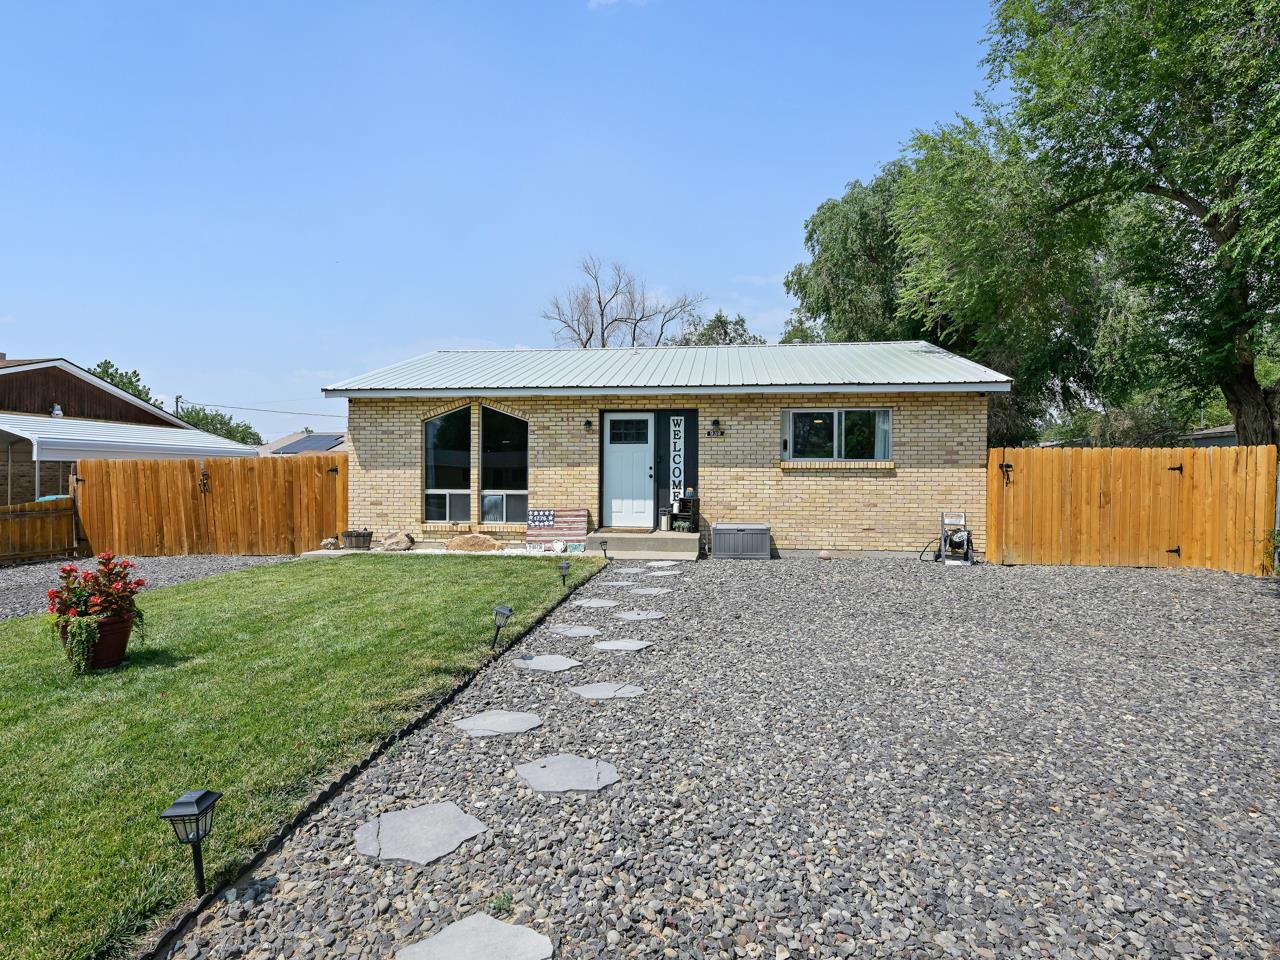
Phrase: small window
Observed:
(629, 431)
(837, 435)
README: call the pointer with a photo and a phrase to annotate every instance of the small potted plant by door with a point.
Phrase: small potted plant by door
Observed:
(94, 612)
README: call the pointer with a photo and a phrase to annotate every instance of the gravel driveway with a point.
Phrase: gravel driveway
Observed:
(23, 589)
(868, 758)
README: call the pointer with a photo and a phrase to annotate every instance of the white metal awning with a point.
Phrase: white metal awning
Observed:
(71, 438)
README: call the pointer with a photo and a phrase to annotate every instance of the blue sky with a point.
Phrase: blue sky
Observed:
(246, 201)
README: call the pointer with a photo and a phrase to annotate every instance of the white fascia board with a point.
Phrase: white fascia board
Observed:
(1001, 386)
(57, 448)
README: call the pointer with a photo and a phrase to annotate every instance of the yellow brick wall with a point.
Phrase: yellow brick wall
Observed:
(939, 463)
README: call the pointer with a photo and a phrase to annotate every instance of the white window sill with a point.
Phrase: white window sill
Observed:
(836, 465)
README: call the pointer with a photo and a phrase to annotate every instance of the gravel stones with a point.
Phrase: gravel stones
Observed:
(419, 835)
(575, 631)
(616, 583)
(546, 663)
(652, 591)
(498, 723)
(664, 573)
(629, 646)
(634, 615)
(480, 937)
(596, 603)
(662, 563)
(565, 773)
(607, 691)
(626, 570)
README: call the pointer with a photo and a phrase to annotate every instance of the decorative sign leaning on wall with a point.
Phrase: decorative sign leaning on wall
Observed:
(676, 481)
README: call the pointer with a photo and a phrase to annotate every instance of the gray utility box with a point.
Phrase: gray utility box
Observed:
(740, 541)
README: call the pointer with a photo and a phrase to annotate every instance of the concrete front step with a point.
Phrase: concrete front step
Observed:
(658, 545)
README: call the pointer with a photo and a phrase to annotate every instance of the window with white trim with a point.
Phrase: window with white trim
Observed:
(446, 441)
(504, 467)
(849, 434)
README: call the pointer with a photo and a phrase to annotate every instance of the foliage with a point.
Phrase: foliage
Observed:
(84, 597)
(718, 331)
(130, 381)
(221, 424)
(264, 684)
(612, 307)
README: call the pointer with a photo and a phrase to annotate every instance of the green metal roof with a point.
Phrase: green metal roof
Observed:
(904, 366)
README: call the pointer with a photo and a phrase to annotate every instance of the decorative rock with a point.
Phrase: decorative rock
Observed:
(651, 591)
(473, 543)
(824, 554)
(564, 772)
(547, 663)
(639, 615)
(607, 691)
(575, 631)
(497, 723)
(592, 602)
(480, 937)
(627, 645)
(397, 542)
(329, 543)
(420, 835)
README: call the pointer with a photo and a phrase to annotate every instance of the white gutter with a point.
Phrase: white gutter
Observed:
(1001, 386)
(66, 448)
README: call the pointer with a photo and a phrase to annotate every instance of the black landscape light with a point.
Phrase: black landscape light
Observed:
(500, 617)
(604, 548)
(191, 817)
(564, 573)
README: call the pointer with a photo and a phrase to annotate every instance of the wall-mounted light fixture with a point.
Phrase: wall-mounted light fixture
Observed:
(586, 425)
(716, 430)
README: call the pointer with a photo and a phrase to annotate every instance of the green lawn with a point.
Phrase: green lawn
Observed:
(262, 684)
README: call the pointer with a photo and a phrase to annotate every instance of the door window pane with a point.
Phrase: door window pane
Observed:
(448, 451)
(504, 451)
(859, 434)
(629, 431)
(813, 435)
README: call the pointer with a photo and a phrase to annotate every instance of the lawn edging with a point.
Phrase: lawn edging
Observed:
(160, 941)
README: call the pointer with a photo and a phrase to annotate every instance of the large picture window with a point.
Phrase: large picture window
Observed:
(504, 467)
(447, 467)
(837, 435)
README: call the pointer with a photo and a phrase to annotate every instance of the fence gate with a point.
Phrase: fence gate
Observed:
(1208, 507)
(42, 528)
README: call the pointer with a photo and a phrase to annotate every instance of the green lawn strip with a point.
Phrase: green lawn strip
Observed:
(263, 684)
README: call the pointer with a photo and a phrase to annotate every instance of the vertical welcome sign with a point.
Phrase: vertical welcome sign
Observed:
(677, 458)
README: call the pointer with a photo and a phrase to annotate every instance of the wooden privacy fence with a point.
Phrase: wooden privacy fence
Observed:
(248, 505)
(42, 528)
(1208, 507)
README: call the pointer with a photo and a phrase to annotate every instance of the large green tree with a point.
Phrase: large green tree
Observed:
(719, 330)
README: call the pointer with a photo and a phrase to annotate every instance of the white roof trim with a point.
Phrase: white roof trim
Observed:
(73, 438)
(111, 388)
(481, 392)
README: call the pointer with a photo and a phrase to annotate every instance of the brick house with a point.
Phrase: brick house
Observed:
(53, 413)
(842, 446)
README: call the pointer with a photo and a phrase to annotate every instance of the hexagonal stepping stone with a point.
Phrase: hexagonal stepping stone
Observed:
(480, 937)
(546, 663)
(595, 602)
(420, 835)
(663, 573)
(624, 645)
(652, 591)
(607, 691)
(662, 563)
(497, 723)
(564, 772)
(575, 631)
(639, 615)
(625, 570)
(617, 583)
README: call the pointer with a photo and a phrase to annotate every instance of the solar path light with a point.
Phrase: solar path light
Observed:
(191, 817)
(564, 573)
(500, 617)
(604, 548)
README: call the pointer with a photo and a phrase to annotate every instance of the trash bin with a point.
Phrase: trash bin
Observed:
(664, 518)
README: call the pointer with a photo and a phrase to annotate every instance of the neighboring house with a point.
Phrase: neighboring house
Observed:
(53, 413)
(1224, 436)
(853, 446)
(306, 442)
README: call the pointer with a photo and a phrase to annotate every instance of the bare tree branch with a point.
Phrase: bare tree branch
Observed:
(612, 308)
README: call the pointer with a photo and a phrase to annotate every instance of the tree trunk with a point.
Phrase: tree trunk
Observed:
(1256, 414)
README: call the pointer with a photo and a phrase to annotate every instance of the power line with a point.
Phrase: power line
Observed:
(227, 406)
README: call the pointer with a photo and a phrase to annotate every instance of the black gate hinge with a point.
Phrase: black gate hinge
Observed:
(1179, 469)
(1177, 549)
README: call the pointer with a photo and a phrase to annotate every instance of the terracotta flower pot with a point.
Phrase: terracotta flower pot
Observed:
(113, 641)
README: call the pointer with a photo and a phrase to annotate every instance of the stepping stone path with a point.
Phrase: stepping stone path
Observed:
(564, 772)
(480, 937)
(497, 723)
(627, 645)
(596, 602)
(617, 583)
(607, 691)
(420, 835)
(547, 663)
(662, 563)
(631, 570)
(652, 591)
(575, 631)
(663, 573)
(640, 615)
